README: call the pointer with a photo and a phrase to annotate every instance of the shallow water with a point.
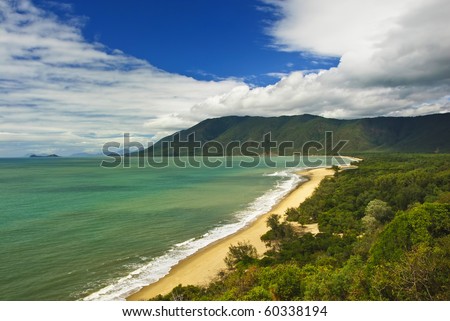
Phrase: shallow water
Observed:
(73, 230)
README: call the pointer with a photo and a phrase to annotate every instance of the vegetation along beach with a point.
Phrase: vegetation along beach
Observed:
(384, 235)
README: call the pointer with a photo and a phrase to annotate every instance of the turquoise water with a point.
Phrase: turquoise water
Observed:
(72, 230)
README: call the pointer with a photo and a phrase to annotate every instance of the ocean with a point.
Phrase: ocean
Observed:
(72, 230)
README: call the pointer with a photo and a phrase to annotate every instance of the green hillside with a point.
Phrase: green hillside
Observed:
(424, 134)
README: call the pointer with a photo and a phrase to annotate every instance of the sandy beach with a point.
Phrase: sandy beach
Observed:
(203, 266)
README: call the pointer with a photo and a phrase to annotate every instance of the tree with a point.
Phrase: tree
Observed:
(379, 210)
(370, 223)
(420, 224)
(273, 222)
(335, 168)
(292, 214)
(258, 293)
(278, 232)
(421, 274)
(243, 252)
(283, 281)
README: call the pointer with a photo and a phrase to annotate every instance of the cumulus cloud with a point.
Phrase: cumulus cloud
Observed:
(333, 28)
(394, 60)
(56, 88)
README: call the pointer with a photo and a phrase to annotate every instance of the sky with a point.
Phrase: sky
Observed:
(76, 74)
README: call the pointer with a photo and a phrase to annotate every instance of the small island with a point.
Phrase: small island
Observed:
(51, 155)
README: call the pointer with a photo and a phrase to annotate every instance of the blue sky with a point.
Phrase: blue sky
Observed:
(76, 74)
(204, 39)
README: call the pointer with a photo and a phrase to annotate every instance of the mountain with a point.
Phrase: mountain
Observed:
(424, 134)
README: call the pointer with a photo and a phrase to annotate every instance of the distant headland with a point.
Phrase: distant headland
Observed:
(51, 155)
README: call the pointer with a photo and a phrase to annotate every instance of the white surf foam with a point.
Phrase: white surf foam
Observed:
(160, 266)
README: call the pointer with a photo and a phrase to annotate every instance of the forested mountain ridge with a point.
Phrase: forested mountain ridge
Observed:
(421, 134)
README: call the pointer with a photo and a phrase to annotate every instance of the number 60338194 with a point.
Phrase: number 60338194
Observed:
(299, 311)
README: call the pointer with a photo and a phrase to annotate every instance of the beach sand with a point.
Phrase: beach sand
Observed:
(204, 265)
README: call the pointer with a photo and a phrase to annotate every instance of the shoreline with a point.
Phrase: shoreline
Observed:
(204, 265)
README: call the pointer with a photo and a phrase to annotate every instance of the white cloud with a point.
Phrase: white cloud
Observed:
(55, 86)
(278, 75)
(394, 61)
(333, 28)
